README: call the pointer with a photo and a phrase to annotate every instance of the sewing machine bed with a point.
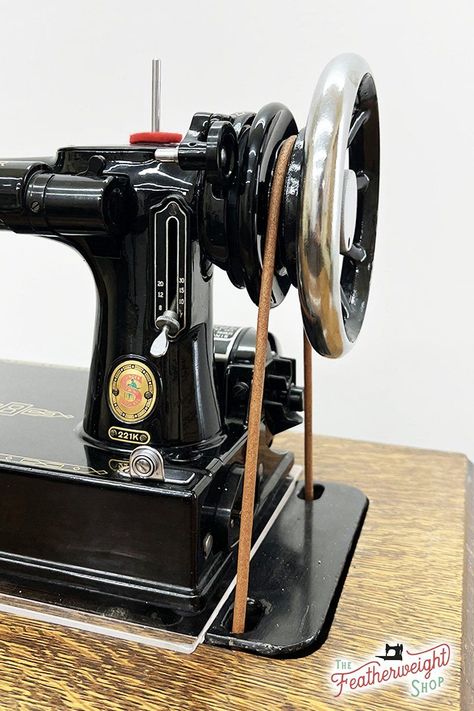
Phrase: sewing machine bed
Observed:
(300, 557)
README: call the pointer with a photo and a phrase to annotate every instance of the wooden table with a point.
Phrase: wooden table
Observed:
(405, 584)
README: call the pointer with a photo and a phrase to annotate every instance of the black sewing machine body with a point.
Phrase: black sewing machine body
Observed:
(167, 542)
(124, 484)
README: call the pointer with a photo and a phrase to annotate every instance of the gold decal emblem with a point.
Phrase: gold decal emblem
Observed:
(120, 466)
(132, 391)
(10, 409)
(33, 463)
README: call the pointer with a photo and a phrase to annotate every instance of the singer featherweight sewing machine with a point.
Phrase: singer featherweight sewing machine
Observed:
(123, 489)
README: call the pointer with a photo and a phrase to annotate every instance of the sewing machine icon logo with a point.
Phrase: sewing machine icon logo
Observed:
(423, 671)
(392, 653)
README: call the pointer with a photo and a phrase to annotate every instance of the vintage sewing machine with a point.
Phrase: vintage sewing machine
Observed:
(121, 488)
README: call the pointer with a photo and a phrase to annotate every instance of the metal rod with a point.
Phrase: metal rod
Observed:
(167, 154)
(308, 419)
(155, 94)
(256, 396)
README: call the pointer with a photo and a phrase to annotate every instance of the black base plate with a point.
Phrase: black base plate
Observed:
(297, 574)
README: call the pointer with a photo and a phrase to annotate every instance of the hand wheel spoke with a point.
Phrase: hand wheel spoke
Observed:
(363, 181)
(346, 307)
(358, 120)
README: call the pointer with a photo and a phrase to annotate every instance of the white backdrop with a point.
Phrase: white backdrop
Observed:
(80, 73)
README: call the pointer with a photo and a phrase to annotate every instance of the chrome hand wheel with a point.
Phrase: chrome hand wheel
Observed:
(338, 207)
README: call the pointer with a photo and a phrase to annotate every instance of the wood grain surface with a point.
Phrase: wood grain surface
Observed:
(405, 584)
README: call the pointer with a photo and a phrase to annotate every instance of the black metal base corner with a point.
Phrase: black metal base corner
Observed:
(297, 574)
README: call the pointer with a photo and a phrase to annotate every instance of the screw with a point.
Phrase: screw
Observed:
(35, 206)
(143, 466)
(240, 390)
(96, 165)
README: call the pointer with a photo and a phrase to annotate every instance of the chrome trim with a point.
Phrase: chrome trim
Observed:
(322, 198)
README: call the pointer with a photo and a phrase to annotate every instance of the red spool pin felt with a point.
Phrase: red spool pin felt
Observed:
(155, 137)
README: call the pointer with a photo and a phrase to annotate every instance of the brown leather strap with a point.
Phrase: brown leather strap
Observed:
(308, 419)
(256, 396)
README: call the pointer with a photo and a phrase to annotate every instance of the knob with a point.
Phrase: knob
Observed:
(168, 326)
